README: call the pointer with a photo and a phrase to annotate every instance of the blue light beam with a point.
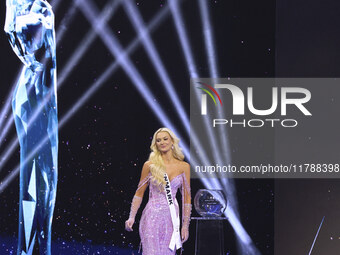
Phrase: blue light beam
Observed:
(316, 236)
(139, 26)
(208, 34)
(105, 33)
(184, 41)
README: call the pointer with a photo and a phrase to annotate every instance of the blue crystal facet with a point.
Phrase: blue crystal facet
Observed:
(30, 29)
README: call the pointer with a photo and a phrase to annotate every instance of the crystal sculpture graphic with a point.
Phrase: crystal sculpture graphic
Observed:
(30, 29)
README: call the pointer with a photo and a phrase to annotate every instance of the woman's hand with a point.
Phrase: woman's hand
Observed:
(184, 234)
(128, 224)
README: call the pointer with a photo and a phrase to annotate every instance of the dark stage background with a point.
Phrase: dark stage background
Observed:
(307, 45)
(104, 145)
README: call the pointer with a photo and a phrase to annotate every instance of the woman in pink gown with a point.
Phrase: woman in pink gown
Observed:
(156, 226)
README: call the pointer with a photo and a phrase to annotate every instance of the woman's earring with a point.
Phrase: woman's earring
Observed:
(172, 147)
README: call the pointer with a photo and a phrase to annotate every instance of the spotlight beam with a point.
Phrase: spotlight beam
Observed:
(213, 69)
(227, 183)
(6, 128)
(316, 236)
(105, 33)
(184, 41)
(55, 4)
(149, 46)
(67, 19)
(182, 36)
(237, 226)
(8, 152)
(105, 15)
(5, 110)
(208, 38)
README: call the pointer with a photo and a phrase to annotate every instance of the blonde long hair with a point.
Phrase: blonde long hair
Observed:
(157, 167)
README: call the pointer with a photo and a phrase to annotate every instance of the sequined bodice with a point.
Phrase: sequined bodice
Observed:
(157, 195)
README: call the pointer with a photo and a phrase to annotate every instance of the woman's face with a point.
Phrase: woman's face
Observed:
(163, 141)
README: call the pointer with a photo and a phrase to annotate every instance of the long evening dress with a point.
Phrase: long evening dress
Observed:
(156, 227)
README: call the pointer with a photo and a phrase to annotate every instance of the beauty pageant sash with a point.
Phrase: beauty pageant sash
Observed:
(175, 242)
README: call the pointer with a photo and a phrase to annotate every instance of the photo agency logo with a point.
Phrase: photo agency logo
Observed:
(236, 103)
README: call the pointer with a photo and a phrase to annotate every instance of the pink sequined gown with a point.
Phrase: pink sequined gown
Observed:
(156, 227)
